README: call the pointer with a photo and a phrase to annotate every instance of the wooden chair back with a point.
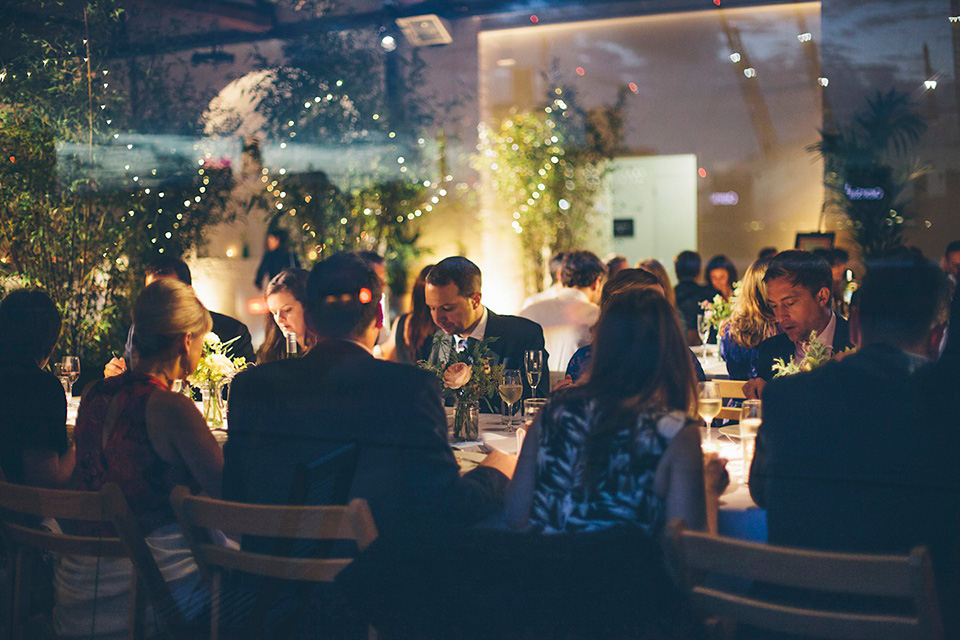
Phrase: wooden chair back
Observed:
(326, 480)
(197, 514)
(700, 557)
(729, 389)
(20, 504)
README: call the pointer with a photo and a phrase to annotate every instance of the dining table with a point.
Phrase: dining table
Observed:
(711, 362)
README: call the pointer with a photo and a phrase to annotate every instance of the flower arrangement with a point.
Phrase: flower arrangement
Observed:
(715, 312)
(818, 352)
(214, 367)
(467, 377)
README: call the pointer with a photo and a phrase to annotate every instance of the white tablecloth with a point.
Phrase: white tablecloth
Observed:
(713, 366)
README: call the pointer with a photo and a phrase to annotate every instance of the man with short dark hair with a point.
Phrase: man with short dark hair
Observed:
(295, 411)
(951, 259)
(224, 326)
(860, 454)
(556, 263)
(798, 291)
(454, 297)
(689, 292)
(568, 317)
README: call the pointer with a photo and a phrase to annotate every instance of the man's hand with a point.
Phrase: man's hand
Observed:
(563, 384)
(505, 463)
(753, 389)
(114, 368)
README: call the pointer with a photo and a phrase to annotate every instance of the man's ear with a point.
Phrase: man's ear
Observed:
(379, 317)
(823, 297)
(475, 299)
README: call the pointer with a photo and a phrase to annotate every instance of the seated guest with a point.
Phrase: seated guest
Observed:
(453, 295)
(750, 323)
(567, 318)
(285, 295)
(134, 431)
(951, 259)
(689, 292)
(860, 455)
(621, 449)
(615, 263)
(656, 267)
(556, 263)
(225, 327)
(34, 448)
(411, 330)
(721, 273)
(798, 287)
(296, 411)
(626, 280)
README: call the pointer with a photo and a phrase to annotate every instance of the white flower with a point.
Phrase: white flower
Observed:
(220, 365)
(211, 339)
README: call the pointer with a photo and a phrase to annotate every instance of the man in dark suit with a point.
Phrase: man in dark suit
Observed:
(799, 289)
(689, 292)
(453, 295)
(296, 411)
(860, 454)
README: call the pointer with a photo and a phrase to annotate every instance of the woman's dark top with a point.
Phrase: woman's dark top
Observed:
(273, 262)
(580, 362)
(33, 415)
(127, 458)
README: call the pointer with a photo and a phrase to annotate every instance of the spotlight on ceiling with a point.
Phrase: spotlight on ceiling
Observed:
(426, 30)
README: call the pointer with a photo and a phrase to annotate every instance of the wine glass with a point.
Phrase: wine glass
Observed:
(70, 369)
(703, 330)
(708, 407)
(533, 365)
(751, 415)
(511, 388)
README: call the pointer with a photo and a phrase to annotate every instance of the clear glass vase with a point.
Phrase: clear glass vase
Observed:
(466, 420)
(212, 409)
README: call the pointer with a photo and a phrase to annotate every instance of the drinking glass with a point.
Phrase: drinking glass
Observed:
(751, 415)
(511, 389)
(531, 407)
(533, 365)
(703, 329)
(58, 371)
(709, 407)
(70, 369)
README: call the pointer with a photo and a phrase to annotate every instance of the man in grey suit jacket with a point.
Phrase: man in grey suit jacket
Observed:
(297, 410)
(453, 295)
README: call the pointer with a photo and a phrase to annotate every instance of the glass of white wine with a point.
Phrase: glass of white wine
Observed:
(533, 365)
(751, 415)
(511, 388)
(709, 407)
(70, 369)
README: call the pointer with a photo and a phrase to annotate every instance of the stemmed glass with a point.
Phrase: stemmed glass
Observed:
(70, 371)
(708, 407)
(703, 329)
(510, 391)
(751, 415)
(533, 365)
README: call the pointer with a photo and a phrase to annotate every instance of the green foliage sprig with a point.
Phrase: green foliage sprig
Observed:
(468, 375)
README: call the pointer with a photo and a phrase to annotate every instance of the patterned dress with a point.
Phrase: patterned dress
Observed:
(619, 489)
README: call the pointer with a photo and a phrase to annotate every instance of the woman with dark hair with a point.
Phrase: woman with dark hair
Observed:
(656, 267)
(412, 329)
(721, 274)
(133, 430)
(286, 295)
(621, 449)
(34, 448)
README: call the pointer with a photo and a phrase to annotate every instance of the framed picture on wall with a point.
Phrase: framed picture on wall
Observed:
(814, 240)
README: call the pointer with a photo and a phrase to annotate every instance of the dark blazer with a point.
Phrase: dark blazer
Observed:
(860, 455)
(514, 335)
(291, 411)
(781, 346)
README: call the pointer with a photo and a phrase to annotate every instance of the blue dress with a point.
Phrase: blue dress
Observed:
(741, 361)
(580, 362)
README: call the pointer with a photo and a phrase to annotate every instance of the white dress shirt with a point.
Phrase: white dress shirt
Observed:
(566, 320)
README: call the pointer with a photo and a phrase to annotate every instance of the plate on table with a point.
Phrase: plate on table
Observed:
(732, 431)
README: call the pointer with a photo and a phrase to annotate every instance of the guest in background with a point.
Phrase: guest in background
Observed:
(379, 264)
(951, 259)
(615, 264)
(411, 330)
(285, 296)
(454, 298)
(689, 292)
(556, 263)
(766, 253)
(721, 274)
(656, 267)
(568, 318)
(750, 323)
(296, 411)
(224, 326)
(276, 258)
(839, 259)
(622, 448)
(34, 448)
(134, 431)
(860, 455)
(625, 281)
(798, 291)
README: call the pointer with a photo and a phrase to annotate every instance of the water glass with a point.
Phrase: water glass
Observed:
(533, 365)
(531, 407)
(751, 415)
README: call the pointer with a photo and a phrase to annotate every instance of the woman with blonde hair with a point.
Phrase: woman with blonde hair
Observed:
(750, 323)
(655, 267)
(133, 430)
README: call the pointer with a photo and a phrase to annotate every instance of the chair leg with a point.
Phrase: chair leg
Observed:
(138, 607)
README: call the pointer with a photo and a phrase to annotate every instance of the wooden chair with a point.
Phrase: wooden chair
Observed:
(198, 514)
(20, 504)
(699, 558)
(729, 389)
(326, 480)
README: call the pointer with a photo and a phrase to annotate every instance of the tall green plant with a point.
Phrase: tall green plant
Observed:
(868, 169)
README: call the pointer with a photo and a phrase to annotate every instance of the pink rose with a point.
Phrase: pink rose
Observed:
(457, 375)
